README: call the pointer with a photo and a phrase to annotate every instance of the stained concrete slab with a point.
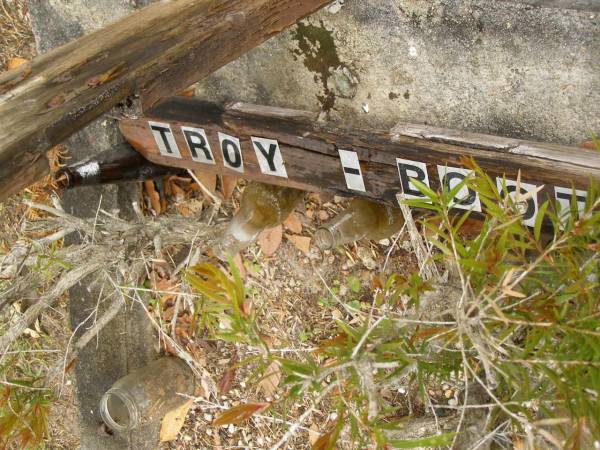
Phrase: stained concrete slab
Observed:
(504, 68)
(128, 341)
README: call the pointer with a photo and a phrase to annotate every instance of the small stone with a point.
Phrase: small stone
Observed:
(231, 429)
(453, 402)
(448, 393)
(384, 242)
(208, 417)
(187, 438)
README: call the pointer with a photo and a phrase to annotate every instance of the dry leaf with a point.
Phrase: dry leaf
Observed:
(293, 223)
(239, 265)
(227, 380)
(323, 215)
(228, 185)
(313, 434)
(589, 144)
(187, 93)
(271, 379)
(270, 240)
(173, 422)
(238, 414)
(209, 180)
(302, 243)
(326, 440)
(13, 63)
(153, 196)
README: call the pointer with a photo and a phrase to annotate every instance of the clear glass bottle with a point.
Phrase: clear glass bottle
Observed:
(361, 220)
(263, 206)
(147, 394)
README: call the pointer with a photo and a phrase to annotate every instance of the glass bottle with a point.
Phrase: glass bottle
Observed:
(361, 220)
(263, 206)
(147, 394)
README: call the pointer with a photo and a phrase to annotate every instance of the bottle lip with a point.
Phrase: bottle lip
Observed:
(324, 238)
(132, 410)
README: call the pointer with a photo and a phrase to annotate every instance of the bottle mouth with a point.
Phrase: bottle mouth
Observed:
(118, 411)
(324, 239)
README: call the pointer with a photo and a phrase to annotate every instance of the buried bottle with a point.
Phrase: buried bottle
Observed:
(147, 394)
(361, 220)
(263, 206)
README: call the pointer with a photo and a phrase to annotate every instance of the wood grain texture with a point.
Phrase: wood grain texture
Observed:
(310, 149)
(157, 51)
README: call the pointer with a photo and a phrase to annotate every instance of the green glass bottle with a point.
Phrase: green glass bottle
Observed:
(361, 220)
(263, 206)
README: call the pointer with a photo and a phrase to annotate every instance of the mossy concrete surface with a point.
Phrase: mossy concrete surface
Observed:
(503, 68)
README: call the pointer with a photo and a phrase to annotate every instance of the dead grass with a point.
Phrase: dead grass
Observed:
(16, 37)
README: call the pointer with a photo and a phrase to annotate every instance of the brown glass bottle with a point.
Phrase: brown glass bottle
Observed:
(147, 394)
(361, 220)
(119, 164)
(263, 206)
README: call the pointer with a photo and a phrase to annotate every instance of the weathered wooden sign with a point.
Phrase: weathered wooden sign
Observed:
(292, 148)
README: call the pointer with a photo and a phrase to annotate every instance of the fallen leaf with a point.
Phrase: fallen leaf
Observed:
(313, 434)
(13, 63)
(173, 422)
(209, 180)
(323, 215)
(589, 144)
(238, 414)
(293, 223)
(228, 184)
(187, 93)
(302, 243)
(326, 440)
(183, 210)
(227, 380)
(153, 196)
(270, 240)
(239, 265)
(271, 379)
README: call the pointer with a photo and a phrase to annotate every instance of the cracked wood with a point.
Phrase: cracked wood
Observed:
(157, 51)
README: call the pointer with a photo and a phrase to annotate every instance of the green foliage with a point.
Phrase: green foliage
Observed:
(24, 409)
(525, 329)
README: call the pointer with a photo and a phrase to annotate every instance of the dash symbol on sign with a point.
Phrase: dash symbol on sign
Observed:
(352, 172)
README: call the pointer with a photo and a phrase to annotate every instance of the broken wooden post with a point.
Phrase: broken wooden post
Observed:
(291, 148)
(155, 52)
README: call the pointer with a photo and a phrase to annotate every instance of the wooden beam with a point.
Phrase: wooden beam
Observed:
(375, 164)
(157, 51)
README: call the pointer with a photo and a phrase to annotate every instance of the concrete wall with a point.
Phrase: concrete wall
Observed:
(478, 65)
